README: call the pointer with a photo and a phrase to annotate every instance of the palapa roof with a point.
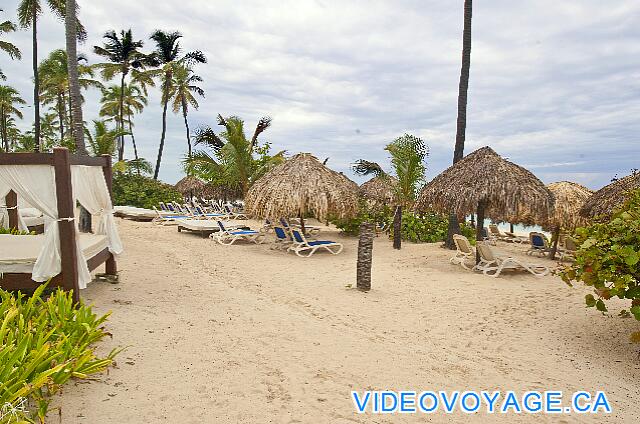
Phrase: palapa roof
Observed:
(221, 191)
(188, 184)
(302, 185)
(603, 201)
(483, 175)
(569, 198)
(380, 190)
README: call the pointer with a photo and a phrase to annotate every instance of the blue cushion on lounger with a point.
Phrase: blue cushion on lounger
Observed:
(243, 232)
(319, 242)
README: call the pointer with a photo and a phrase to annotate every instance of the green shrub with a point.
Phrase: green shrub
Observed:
(43, 343)
(130, 189)
(608, 259)
(16, 232)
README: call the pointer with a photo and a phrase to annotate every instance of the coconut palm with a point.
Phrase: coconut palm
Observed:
(134, 101)
(183, 91)
(124, 55)
(233, 162)
(9, 101)
(75, 97)
(7, 47)
(461, 123)
(54, 85)
(103, 140)
(169, 56)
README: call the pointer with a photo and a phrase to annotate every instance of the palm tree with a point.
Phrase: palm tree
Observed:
(124, 56)
(9, 99)
(233, 163)
(168, 55)
(183, 88)
(458, 153)
(7, 47)
(54, 84)
(75, 97)
(103, 140)
(134, 101)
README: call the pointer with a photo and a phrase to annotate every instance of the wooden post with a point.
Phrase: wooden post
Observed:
(68, 256)
(511, 228)
(111, 267)
(302, 224)
(397, 228)
(365, 256)
(11, 200)
(479, 227)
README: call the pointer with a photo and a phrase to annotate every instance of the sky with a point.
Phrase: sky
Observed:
(554, 86)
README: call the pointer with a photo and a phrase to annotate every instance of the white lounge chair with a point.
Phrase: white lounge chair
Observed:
(163, 218)
(464, 252)
(539, 244)
(228, 236)
(492, 264)
(300, 244)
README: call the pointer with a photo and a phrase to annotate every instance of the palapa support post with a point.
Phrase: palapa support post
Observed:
(365, 256)
(302, 223)
(11, 201)
(397, 228)
(68, 254)
(111, 267)
(480, 226)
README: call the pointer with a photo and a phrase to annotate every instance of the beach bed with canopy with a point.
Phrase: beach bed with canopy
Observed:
(53, 183)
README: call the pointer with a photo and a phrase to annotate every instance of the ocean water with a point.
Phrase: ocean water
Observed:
(521, 230)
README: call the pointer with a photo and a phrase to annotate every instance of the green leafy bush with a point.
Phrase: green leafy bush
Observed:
(43, 343)
(608, 259)
(130, 189)
(16, 232)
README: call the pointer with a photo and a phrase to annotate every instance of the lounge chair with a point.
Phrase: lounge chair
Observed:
(310, 230)
(495, 234)
(228, 236)
(464, 252)
(167, 219)
(300, 244)
(492, 264)
(233, 214)
(569, 250)
(539, 244)
(199, 212)
(515, 238)
(283, 237)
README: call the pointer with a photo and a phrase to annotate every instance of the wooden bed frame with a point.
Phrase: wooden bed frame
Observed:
(61, 160)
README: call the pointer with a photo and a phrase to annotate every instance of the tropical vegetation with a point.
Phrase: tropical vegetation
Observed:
(44, 342)
(6, 46)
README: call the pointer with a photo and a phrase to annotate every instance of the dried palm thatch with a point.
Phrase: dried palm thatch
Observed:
(380, 190)
(569, 198)
(190, 185)
(221, 192)
(603, 201)
(504, 189)
(302, 186)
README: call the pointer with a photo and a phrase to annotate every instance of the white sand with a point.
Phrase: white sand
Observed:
(245, 334)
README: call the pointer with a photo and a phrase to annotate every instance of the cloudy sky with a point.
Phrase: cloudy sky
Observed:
(555, 86)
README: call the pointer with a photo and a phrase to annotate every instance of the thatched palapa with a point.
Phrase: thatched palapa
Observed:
(604, 201)
(190, 186)
(302, 186)
(380, 190)
(569, 199)
(504, 189)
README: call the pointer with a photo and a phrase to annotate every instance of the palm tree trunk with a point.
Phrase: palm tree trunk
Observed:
(61, 116)
(365, 256)
(164, 133)
(121, 147)
(133, 138)
(36, 81)
(5, 139)
(397, 228)
(510, 227)
(458, 153)
(186, 125)
(556, 238)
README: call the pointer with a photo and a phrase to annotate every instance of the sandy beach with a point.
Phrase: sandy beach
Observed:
(247, 334)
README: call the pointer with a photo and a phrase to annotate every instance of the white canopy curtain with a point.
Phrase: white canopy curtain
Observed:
(36, 184)
(90, 190)
(4, 212)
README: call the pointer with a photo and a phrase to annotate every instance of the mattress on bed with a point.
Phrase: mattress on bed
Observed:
(132, 211)
(33, 221)
(19, 253)
(198, 224)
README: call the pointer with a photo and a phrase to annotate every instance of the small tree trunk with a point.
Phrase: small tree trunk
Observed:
(480, 227)
(397, 228)
(556, 238)
(510, 227)
(36, 80)
(186, 125)
(70, 22)
(454, 228)
(3, 124)
(162, 137)
(133, 140)
(61, 117)
(473, 220)
(302, 223)
(121, 146)
(365, 256)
